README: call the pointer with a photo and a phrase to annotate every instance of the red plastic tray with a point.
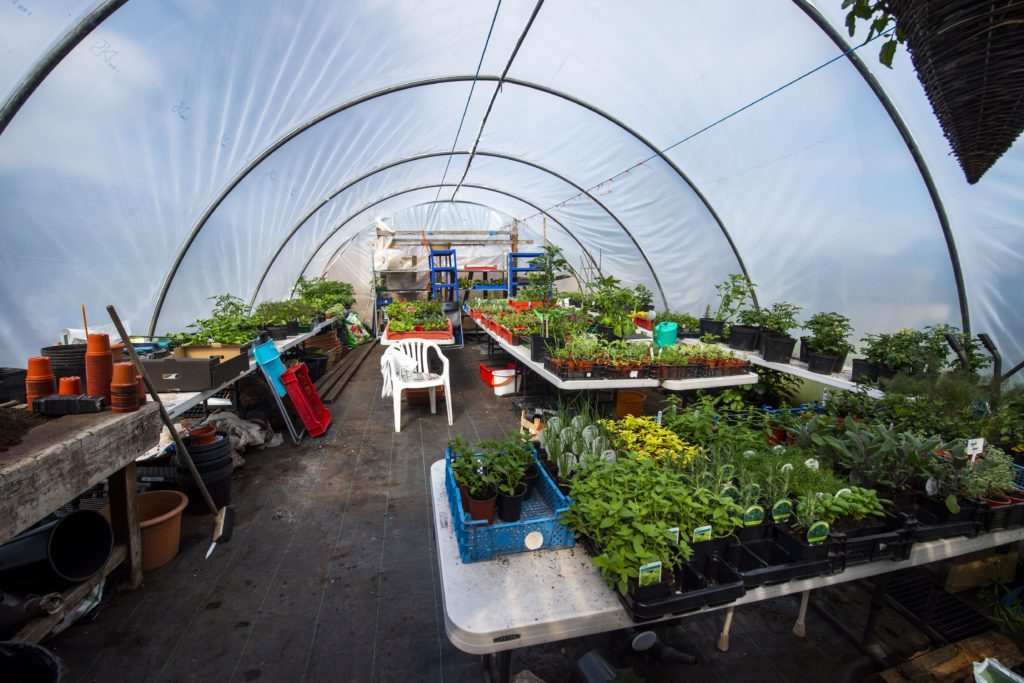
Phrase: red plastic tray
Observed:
(307, 402)
(423, 334)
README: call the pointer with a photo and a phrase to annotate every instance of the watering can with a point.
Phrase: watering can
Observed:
(665, 334)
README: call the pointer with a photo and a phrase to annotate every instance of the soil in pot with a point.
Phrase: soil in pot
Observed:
(510, 508)
(482, 508)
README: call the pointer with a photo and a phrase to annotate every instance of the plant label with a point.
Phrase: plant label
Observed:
(753, 516)
(731, 491)
(974, 448)
(674, 532)
(702, 533)
(650, 573)
(658, 418)
(782, 510)
(633, 374)
(817, 533)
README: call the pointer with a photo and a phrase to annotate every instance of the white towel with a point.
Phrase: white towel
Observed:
(401, 361)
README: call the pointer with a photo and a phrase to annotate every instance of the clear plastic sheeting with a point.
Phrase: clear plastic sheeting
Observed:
(184, 150)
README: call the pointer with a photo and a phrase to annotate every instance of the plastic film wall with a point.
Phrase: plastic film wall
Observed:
(188, 149)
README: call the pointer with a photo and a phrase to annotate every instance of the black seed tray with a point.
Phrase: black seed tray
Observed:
(699, 583)
(55, 406)
(1002, 517)
(764, 562)
(888, 540)
(928, 520)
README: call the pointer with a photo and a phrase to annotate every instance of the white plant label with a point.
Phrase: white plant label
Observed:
(975, 447)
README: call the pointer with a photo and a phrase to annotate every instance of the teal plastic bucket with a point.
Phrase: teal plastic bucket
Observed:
(665, 334)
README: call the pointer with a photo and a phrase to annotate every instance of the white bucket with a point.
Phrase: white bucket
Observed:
(504, 383)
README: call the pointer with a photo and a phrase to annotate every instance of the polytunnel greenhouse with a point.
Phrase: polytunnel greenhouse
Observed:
(523, 340)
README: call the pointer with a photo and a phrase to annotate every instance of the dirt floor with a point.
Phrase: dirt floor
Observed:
(332, 576)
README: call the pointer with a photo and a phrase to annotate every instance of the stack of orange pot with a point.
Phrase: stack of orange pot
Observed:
(142, 388)
(124, 390)
(70, 386)
(99, 366)
(39, 380)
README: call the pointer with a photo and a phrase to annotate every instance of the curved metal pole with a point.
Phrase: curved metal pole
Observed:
(908, 140)
(419, 157)
(352, 216)
(53, 56)
(205, 217)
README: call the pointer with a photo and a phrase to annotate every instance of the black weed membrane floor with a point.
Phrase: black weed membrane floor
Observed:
(332, 574)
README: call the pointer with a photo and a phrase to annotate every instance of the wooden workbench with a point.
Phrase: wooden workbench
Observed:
(61, 459)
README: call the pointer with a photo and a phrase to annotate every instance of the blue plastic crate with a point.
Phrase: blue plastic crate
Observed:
(480, 541)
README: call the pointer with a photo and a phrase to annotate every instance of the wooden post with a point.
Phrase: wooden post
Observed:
(124, 518)
(515, 235)
(545, 231)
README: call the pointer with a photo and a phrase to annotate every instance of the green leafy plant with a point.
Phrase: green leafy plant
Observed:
(879, 16)
(229, 323)
(781, 319)
(991, 475)
(685, 321)
(830, 334)
(733, 294)
(614, 305)
(283, 312)
(322, 294)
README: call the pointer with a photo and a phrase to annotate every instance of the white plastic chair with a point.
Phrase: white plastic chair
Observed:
(417, 350)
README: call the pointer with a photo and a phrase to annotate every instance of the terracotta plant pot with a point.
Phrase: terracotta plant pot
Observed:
(70, 386)
(140, 386)
(98, 343)
(159, 525)
(201, 436)
(997, 500)
(99, 370)
(124, 375)
(39, 367)
(482, 509)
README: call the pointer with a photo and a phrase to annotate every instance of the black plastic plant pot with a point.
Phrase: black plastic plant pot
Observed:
(743, 337)
(682, 334)
(510, 508)
(715, 547)
(885, 374)
(748, 534)
(777, 349)
(292, 327)
(766, 562)
(864, 372)
(804, 356)
(72, 549)
(840, 361)
(712, 327)
(821, 363)
(795, 543)
(531, 477)
(278, 332)
(930, 519)
(539, 345)
(700, 583)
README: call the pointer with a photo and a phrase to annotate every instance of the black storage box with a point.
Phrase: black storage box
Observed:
(193, 374)
(12, 385)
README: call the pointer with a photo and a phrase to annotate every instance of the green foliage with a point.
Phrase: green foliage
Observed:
(283, 312)
(553, 268)
(773, 388)
(830, 334)
(733, 294)
(685, 321)
(614, 305)
(489, 467)
(877, 14)
(781, 318)
(406, 316)
(992, 475)
(228, 323)
(322, 294)
(850, 504)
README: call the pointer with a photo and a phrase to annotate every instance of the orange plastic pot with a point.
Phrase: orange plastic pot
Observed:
(124, 375)
(116, 352)
(159, 526)
(39, 367)
(70, 386)
(202, 436)
(98, 343)
(140, 387)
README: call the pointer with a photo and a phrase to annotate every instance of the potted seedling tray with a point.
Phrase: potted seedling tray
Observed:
(886, 540)
(929, 520)
(422, 334)
(539, 528)
(765, 561)
(704, 582)
(795, 543)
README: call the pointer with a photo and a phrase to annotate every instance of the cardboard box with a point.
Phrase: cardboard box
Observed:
(214, 350)
(183, 373)
(977, 569)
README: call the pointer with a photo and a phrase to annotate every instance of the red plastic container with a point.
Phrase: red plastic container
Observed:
(305, 399)
(487, 374)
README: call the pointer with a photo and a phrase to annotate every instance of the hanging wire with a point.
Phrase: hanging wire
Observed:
(465, 110)
(708, 127)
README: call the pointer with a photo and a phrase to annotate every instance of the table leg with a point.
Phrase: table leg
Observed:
(723, 637)
(800, 627)
(124, 518)
(877, 603)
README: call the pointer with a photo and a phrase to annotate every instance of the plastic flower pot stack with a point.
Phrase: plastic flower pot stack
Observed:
(39, 381)
(70, 386)
(99, 366)
(124, 389)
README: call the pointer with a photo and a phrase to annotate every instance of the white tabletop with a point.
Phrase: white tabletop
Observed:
(522, 354)
(540, 597)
